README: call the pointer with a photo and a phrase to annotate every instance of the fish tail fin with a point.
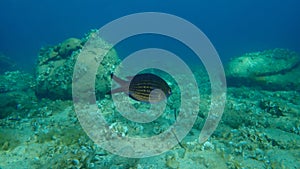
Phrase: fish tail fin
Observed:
(119, 80)
(117, 90)
(123, 85)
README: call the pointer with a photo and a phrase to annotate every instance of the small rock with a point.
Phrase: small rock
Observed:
(75, 162)
(5, 146)
(172, 163)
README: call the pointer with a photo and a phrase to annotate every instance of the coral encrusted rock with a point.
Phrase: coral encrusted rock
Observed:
(55, 66)
(275, 69)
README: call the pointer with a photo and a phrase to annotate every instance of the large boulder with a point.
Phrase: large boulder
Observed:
(276, 69)
(55, 66)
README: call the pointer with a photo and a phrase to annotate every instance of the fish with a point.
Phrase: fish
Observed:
(146, 87)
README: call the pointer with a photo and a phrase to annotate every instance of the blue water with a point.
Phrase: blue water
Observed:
(234, 27)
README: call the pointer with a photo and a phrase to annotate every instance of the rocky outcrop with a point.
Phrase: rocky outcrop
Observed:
(275, 69)
(55, 66)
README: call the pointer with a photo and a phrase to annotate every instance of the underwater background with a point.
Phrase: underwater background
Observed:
(257, 42)
(233, 27)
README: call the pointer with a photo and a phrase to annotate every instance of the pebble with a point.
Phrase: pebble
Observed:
(75, 162)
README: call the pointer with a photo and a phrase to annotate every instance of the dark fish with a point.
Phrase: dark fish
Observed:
(142, 87)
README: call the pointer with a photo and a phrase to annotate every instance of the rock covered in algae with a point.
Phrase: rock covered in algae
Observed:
(55, 66)
(274, 69)
(60, 51)
(68, 46)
